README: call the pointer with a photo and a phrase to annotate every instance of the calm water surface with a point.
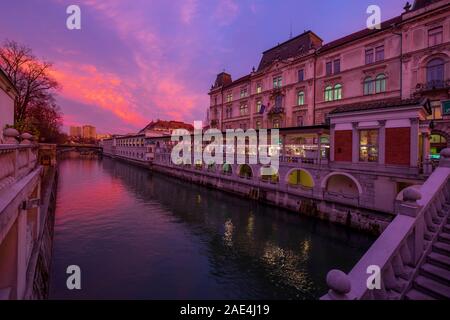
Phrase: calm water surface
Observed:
(141, 235)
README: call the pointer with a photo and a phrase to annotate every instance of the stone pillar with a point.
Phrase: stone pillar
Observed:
(445, 158)
(319, 147)
(414, 156)
(355, 143)
(21, 253)
(426, 163)
(332, 130)
(382, 142)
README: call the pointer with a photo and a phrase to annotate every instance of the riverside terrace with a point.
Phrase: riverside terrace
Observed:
(352, 172)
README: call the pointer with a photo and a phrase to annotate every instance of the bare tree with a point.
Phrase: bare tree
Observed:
(34, 83)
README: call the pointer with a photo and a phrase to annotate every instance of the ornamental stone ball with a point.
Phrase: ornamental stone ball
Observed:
(26, 138)
(338, 281)
(445, 153)
(411, 195)
(10, 135)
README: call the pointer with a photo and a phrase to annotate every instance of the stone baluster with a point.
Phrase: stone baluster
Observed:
(409, 207)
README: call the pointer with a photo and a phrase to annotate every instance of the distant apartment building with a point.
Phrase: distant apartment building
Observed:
(8, 94)
(300, 82)
(89, 132)
(75, 131)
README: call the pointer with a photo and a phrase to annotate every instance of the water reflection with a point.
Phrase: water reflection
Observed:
(141, 235)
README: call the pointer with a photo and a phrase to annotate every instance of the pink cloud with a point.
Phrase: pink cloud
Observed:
(226, 12)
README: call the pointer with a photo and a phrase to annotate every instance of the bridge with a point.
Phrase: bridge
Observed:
(82, 149)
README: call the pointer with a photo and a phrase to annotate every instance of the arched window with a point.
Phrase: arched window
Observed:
(380, 83)
(329, 93)
(368, 86)
(300, 98)
(435, 71)
(338, 92)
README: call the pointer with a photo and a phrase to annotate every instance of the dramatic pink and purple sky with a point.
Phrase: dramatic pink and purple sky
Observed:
(138, 60)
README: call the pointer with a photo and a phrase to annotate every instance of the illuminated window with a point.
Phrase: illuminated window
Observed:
(259, 88)
(300, 98)
(276, 124)
(368, 86)
(277, 82)
(338, 92)
(229, 97)
(380, 83)
(435, 36)
(244, 92)
(258, 106)
(329, 93)
(368, 145)
(243, 110)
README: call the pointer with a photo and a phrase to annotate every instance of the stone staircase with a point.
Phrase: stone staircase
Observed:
(433, 279)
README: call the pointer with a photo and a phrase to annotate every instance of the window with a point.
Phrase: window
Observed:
(243, 109)
(368, 86)
(258, 106)
(258, 125)
(300, 98)
(329, 68)
(379, 53)
(435, 71)
(244, 92)
(338, 92)
(299, 121)
(301, 75)
(337, 66)
(228, 112)
(434, 36)
(278, 101)
(369, 56)
(380, 83)
(259, 88)
(277, 82)
(229, 97)
(276, 124)
(329, 93)
(368, 145)
(215, 101)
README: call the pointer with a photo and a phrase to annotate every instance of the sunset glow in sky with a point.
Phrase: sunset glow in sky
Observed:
(138, 60)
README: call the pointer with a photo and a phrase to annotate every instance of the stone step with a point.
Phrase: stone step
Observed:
(437, 273)
(446, 228)
(439, 260)
(442, 248)
(415, 294)
(433, 288)
(445, 237)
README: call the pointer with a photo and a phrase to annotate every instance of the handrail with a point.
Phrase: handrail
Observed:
(401, 248)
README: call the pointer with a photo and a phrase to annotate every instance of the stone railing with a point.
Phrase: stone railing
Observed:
(16, 160)
(398, 253)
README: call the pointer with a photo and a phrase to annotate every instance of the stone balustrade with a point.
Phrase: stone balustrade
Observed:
(400, 250)
(16, 159)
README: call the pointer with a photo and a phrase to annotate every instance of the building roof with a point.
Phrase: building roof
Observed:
(360, 34)
(293, 47)
(419, 4)
(381, 104)
(160, 125)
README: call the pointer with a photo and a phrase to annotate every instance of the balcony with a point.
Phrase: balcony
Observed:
(433, 86)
